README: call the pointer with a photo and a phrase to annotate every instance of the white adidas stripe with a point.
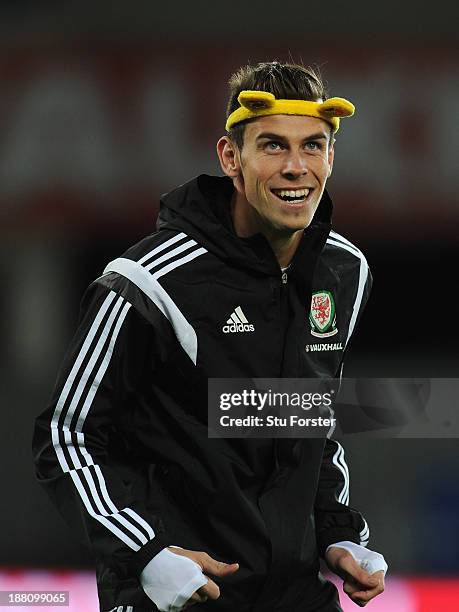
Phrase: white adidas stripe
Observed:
(91, 364)
(65, 391)
(68, 439)
(108, 524)
(348, 247)
(363, 275)
(365, 534)
(161, 247)
(84, 349)
(340, 463)
(94, 501)
(365, 531)
(334, 235)
(345, 492)
(170, 254)
(343, 498)
(179, 262)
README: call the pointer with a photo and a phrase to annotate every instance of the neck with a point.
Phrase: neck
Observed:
(285, 247)
(247, 222)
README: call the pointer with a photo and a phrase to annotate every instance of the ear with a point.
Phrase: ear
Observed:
(331, 155)
(228, 154)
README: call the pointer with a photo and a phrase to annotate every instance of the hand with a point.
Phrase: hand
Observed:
(208, 566)
(359, 585)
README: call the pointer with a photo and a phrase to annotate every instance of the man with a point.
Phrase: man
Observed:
(175, 517)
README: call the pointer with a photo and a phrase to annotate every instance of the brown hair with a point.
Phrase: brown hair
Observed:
(285, 81)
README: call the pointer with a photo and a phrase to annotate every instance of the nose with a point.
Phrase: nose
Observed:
(295, 165)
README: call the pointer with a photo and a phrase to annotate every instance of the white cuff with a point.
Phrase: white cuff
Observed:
(367, 559)
(170, 580)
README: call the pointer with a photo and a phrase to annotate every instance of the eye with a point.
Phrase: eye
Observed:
(313, 145)
(273, 145)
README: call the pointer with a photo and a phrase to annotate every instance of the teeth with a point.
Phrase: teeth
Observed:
(284, 193)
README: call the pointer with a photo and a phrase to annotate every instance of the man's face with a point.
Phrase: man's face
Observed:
(283, 167)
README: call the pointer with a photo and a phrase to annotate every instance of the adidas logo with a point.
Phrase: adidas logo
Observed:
(237, 323)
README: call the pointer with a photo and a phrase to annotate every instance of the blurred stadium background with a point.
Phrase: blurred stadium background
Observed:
(106, 105)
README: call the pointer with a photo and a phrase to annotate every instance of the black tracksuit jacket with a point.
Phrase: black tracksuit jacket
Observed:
(123, 449)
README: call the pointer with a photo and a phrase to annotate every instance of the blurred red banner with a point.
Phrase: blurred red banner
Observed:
(91, 137)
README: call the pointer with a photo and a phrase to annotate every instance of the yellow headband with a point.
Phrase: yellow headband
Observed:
(261, 103)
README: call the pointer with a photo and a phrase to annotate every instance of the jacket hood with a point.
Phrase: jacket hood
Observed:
(201, 208)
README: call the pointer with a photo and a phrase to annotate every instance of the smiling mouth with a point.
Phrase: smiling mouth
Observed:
(292, 196)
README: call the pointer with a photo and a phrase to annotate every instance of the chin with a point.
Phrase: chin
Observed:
(288, 230)
(298, 225)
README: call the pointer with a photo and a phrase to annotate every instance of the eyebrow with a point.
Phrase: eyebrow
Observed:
(272, 136)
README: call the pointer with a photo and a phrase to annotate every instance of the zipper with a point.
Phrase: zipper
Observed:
(282, 306)
(282, 297)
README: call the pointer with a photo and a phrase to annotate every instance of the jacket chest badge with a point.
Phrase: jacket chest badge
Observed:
(323, 314)
(237, 323)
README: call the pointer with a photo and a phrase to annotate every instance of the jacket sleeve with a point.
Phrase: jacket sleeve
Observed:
(76, 447)
(335, 520)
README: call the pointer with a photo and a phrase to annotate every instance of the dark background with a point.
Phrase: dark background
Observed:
(106, 105)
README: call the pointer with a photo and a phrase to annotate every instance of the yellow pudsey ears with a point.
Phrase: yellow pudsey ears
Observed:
(261, 103)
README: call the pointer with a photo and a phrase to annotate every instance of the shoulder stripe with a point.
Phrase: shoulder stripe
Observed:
(179, 262)
(183, 247)
(150, 261)
(161, 247)
(347, 247)
(340, 238)
(363, 276)
(147, 283)
(69, 442)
